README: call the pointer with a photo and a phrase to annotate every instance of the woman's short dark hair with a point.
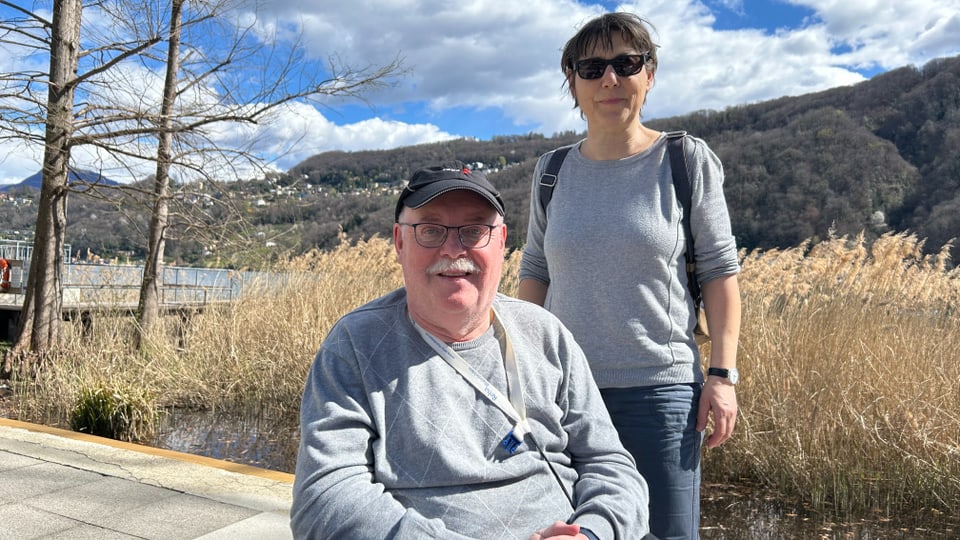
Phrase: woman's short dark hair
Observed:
(600, 31)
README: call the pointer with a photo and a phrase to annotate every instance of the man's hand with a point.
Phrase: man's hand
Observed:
(559, 531)
(720, 397)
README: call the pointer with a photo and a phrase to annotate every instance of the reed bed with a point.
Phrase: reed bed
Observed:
(251, 355)
(849, 355)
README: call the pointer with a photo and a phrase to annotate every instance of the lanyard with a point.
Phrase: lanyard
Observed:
(512, 405)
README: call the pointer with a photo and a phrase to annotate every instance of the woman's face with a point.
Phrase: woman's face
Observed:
(612, 101)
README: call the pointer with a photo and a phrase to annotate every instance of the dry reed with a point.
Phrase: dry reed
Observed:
(256, 352)
(850, 364)
(848, 354)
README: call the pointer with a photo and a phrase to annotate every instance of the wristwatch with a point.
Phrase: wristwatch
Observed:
(731, 374)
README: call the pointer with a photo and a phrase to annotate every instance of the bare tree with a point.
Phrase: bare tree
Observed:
(285, 84)
(46, 99)
(43, 302)
(148, 309)
(117, 117)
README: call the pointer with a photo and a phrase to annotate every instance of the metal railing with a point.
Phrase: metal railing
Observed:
(119, 285)
(17, 255)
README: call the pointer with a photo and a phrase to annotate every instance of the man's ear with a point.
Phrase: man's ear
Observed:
(397, 239)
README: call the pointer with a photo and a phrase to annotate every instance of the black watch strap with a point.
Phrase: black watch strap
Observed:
(731, 375)
(718, 372)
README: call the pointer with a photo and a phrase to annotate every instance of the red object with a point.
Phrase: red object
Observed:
(4, 275)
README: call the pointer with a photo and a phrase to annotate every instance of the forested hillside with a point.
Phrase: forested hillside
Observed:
(881, 155)
(798, 166)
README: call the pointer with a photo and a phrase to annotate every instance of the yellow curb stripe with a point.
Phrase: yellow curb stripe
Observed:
(162, 452)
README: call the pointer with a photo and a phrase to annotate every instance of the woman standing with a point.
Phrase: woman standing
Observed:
(606, 255)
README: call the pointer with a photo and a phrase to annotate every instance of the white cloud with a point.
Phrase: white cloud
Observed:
(890, 34)
(490, 53)
(297, 131)
(502, 58)
(18, 161)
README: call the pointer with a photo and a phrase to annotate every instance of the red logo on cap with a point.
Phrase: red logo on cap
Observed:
(465, 171)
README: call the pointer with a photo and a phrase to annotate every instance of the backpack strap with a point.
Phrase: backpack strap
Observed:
(548, 180)
(681, 186)
(684, 191)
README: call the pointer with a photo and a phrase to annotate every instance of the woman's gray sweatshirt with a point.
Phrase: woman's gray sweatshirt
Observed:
(611, 246)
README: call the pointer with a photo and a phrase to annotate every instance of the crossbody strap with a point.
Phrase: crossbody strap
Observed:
(512, 405)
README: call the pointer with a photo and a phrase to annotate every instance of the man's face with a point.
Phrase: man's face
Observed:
(450, 288)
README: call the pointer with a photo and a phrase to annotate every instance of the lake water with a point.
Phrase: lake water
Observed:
(729, 512)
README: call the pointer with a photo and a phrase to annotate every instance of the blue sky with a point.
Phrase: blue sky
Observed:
(479, 68)
(770, 16)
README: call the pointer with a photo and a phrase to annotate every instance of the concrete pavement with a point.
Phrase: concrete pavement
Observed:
(58, 484)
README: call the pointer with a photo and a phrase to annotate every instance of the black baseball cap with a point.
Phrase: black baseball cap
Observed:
(431, 182)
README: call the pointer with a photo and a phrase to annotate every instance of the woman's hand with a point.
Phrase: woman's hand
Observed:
(720, 399)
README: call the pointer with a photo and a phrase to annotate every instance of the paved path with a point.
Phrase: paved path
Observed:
(57, 484)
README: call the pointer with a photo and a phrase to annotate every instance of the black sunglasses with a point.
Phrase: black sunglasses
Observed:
(624, 65)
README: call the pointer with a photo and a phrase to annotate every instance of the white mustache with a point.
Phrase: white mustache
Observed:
(456, 266)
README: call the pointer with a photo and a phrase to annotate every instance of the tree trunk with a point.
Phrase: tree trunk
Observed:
(40, 321)
(149, 306)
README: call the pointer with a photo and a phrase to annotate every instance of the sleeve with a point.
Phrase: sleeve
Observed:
(611, 497)
(714, 244)
(335, 492)
(534, 262)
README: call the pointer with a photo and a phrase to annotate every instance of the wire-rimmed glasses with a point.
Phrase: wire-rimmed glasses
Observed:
(433, 235)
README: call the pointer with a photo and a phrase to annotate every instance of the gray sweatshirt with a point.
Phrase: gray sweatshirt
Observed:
(611, 248)
(396, 444)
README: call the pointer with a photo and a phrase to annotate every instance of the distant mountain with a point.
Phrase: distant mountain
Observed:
(78, 177)
(876, 157)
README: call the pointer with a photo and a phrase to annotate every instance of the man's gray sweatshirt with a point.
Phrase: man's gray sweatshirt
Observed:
(397, 444)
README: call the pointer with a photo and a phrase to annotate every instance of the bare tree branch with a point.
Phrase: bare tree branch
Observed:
(109, 105)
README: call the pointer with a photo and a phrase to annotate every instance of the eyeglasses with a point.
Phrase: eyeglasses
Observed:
(624, 65)
(433, 235)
